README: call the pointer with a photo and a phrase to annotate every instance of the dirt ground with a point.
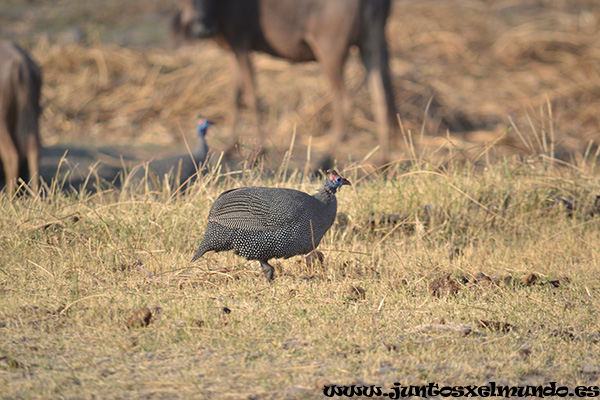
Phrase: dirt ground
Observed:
(467, 75)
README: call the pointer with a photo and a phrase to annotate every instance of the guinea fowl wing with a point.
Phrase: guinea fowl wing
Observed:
(259, 209)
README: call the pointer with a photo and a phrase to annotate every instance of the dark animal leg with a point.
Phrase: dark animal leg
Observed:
(332, 58)
(10, 157)
(33, 161)
(374, 54)
(244, 88)
(236, 95)
(267, 269)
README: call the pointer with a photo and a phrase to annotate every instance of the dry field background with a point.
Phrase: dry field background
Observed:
(496, 184)
(491, 71)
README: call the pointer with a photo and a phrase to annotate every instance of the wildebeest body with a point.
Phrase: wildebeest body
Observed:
(20, 87)
(300, 30)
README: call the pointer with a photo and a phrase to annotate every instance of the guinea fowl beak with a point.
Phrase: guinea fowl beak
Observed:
(333, 175)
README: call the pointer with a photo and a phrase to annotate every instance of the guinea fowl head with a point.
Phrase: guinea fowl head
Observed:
(203, 125)
(335, 181)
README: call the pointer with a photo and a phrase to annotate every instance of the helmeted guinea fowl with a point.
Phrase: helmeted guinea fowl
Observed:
(182, 166)
(261, 223)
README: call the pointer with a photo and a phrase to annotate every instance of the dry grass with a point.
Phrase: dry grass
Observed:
(75, 268)
(513, 84)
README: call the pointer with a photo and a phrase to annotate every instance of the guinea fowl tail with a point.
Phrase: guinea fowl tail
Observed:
(200, 252)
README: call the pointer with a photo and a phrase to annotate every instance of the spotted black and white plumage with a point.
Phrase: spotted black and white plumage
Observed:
(261, 223)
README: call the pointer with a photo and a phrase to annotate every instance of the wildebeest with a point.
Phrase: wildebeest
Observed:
(300, 30)
(20, 87)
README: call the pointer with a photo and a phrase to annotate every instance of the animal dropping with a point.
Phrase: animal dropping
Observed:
(443, 286)
(356, 293)
(141, 318)
(529, 279)
(260, 223)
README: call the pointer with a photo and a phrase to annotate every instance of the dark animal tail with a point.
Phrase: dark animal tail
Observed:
(375, 56)
(373, 44)
(177, 30)
(375, 12)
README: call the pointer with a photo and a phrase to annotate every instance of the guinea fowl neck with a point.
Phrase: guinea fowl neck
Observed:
(201, 147)
(326, 193)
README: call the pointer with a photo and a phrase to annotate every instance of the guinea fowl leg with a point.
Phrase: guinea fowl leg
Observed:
(267, 270)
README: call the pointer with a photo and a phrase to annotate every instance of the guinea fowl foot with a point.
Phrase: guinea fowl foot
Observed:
(268, 270)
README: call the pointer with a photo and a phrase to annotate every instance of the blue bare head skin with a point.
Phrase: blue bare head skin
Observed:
(335, 181)
(203, 125)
